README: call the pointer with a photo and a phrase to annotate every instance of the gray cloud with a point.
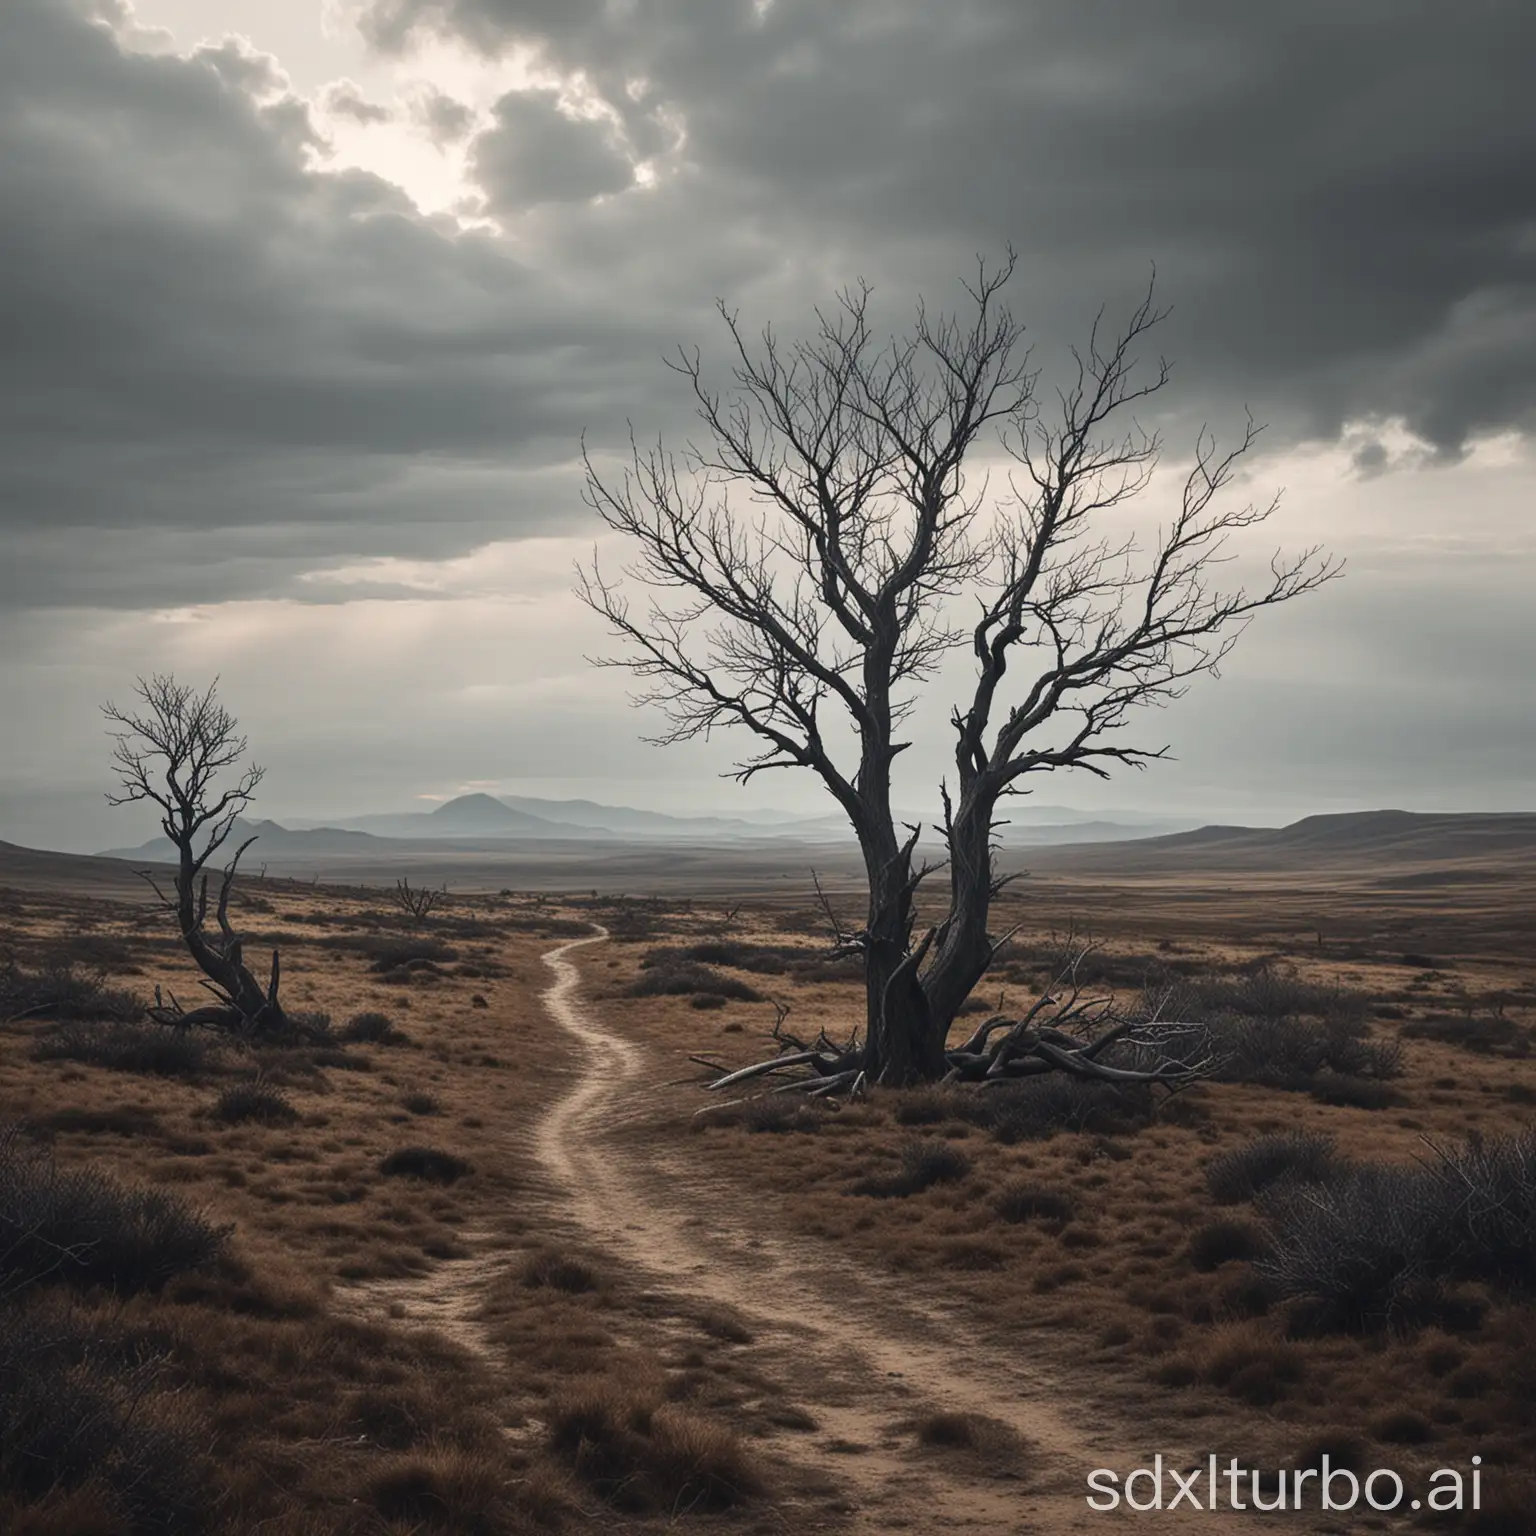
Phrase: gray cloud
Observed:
(229, 372)
(446, 120)
(207, 331)
(536, 153)
(1337, 192)
(223, 364)
(343, 98)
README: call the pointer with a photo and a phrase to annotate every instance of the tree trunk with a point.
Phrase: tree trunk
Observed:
(965, 950)
(224, 965)
(901, 1044)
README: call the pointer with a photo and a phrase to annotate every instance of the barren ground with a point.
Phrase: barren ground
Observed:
(626, 1313)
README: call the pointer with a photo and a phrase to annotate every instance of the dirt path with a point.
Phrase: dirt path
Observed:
(861, 1355)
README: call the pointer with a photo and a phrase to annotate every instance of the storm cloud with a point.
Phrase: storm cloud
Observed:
(242, 376)
(207, 327)
(1337, 192)
(208, 335)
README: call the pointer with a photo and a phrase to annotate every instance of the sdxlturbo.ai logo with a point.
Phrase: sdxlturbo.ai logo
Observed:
(1212, 1487)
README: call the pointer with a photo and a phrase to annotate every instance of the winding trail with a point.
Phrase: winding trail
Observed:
(859, 1349)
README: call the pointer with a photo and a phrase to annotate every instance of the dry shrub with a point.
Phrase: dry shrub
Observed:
(230, 1287)
(64, 989)
(446, 1490)
(84, 1427)
(923, 1164)
(119, 1120)
(1272, 1028)
(1356, 1248)
(1378, 1245)
(370, 1029)
(1040, 1107)
(644, 1456)
(929, 1105)
(1245, 1172)
(1223, 1242)
(1245, 1294)
(341, 1060)
(763, 959)
(84, 1229)
(984, 1438)
(1023, 1201)
(1403, 1426)
(1294, 1053)
(546, 927)
(1254, 1368)
(760, 959)
(1034, 1109)
(154, 1049)
(1485, 1034)
(1353, 1092)
(242, 1102)
(1269, 992)
(969, 1255)
(431, 1164)
(559, 1272)
(106, 953)
(770, 1114)
(1342, 1447)
(395, 1418)
(309, 1026)
(390, 952)
(685, 977)
(1509, 1507)
(420, 1104)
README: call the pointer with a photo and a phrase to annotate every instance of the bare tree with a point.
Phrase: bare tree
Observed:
(170, 754)
(420, 903)
(813, 621)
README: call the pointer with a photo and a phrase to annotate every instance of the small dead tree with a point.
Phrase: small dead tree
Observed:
(420, 903)
(170, 753)
(726, 922)
(811, 621)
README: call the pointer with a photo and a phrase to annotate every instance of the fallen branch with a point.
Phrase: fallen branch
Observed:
(990, 1057)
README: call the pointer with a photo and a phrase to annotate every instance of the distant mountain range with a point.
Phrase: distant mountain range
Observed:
(472, 821)
(481, 815)
(1397, 850)
(479, 827)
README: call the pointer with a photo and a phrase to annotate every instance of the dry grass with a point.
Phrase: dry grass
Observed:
(646, 1456)
(1132, 1240)
(1107, 1220)
(128, 1047)
(259, 1101)
(993, 1448)
(202, 1358)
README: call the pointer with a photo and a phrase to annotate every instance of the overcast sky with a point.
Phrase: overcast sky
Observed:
(306, 303)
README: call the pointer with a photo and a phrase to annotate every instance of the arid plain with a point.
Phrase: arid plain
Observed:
(491, 1258)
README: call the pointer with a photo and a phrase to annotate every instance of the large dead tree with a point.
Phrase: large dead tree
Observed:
(812, 619)
(170, 754)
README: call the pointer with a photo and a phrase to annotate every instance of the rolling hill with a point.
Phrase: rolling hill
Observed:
(1402, 848)
(1353, 840)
